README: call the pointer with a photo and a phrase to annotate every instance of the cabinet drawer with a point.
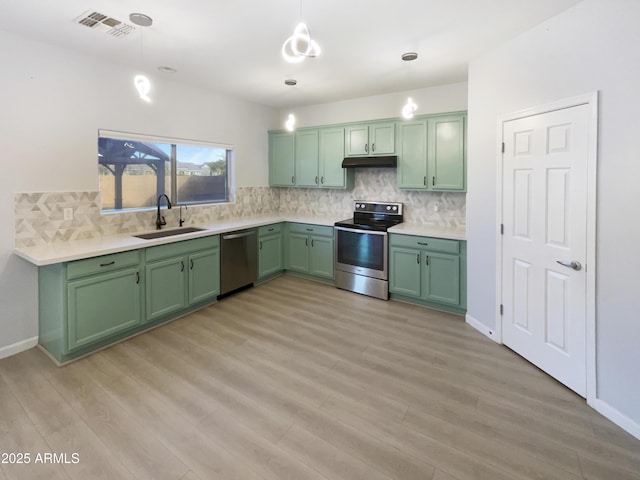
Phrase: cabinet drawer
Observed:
(272, 229)
(104, 263)
(310, 229)
(425, 243)
(181, 248)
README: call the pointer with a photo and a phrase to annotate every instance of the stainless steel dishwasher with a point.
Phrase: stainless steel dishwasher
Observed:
(238, 260)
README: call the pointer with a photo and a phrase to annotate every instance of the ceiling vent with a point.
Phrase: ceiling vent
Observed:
(103, 23)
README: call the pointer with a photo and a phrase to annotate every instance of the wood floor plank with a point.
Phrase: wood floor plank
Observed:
(299, 380)
(94, 459)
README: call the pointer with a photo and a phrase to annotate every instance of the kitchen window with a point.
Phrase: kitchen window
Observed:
(134, 170)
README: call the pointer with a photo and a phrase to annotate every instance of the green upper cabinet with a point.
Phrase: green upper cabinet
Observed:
(306, 158)
(309, 158)
(447, 152)
(330, 162)
(412, 168)
(432, 153)
(370, 139)
(281, 159)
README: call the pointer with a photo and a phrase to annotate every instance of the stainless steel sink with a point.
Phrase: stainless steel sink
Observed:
(169, 233)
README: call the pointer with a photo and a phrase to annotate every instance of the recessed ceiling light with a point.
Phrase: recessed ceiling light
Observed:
(167, 69)
(409, 56)
(291, 81)
(141, 19)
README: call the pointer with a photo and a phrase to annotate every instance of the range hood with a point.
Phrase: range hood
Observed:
(389, 161)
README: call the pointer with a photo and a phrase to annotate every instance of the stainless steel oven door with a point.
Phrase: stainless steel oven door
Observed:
(363, 252)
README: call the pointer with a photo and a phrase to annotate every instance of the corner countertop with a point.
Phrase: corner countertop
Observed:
(49, 254)
(423, 230)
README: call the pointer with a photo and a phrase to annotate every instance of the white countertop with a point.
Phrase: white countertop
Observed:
(408, 228)
(78, 249)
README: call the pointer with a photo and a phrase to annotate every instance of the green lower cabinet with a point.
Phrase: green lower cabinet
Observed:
(166, 281)
(435, 277)
(204, 283)
(321, 257)
(103, 305)
(269, 251)
(91, 303)
(404, 271)
(310, 250)
(181, 275)
(298, 250)
(441, 275)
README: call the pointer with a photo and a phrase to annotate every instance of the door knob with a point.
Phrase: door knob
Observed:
(575, 265)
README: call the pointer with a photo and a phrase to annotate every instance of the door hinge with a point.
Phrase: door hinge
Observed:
(502, 147)
(502, 229)
(501, 309)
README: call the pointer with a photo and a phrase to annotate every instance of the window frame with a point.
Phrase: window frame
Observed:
(174, 142)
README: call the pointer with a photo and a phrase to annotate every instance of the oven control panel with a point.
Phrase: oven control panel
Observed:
(387, 208)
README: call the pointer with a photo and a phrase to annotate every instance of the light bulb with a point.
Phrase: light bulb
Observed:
(300, 45)
(290, 123)
(143, 86)
(409, 109)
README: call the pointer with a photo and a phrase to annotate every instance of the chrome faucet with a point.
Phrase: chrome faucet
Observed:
(160, 221)
(182, 220)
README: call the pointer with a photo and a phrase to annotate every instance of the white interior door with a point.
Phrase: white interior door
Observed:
(544, 241)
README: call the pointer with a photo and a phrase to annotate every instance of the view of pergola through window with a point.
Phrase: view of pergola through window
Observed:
(133, 173)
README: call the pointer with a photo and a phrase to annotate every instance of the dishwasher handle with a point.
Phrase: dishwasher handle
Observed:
(238, 235)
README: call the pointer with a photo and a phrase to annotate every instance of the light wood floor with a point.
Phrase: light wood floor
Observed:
(298, 380)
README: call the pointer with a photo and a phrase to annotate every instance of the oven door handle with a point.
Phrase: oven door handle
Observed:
(357, 230)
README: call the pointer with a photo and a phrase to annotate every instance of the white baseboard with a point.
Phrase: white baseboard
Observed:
(482, 328)
(616, 417)
(18, 347)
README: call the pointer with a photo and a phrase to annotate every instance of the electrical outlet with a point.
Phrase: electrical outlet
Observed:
(436, 206)
(207, 211)
(68, 213)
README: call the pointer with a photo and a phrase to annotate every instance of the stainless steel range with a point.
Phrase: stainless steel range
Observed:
(361, 248)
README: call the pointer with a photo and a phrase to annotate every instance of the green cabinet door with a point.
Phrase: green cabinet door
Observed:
(307, 159)
(321, 260)
(382, 138)
(204, 276)
(447, 153)
(281, 159)
(165, 287)
(441, 275)
(404, 271)
(298, 252)
(412, 165)
(269, 255)
(331, 155)
(102, 305)
(356, 139)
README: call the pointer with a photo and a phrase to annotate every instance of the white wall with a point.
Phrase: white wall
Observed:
(445, 98)
(53, 103)
(592, 46)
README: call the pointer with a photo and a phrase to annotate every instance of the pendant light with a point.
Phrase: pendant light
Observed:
(142, 82)
(300, 45)
(290, 124)
(410, 107)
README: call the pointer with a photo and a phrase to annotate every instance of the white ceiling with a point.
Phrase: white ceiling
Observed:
(233, 46)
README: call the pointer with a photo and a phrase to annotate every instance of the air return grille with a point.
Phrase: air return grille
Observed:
(101, 22)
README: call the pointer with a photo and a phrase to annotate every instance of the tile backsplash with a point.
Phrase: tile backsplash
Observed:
(39, 217)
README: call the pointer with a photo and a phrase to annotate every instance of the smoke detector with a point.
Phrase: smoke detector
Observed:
(104, 23)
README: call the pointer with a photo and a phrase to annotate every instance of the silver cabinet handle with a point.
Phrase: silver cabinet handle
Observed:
(373, 147)
(366, 148)
(574, 265)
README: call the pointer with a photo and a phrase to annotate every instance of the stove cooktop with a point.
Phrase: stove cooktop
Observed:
(376, 216)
